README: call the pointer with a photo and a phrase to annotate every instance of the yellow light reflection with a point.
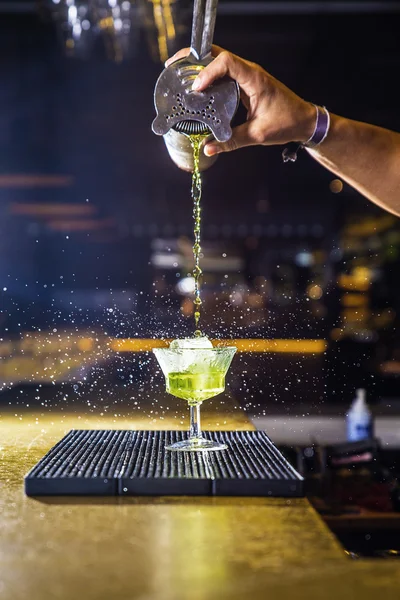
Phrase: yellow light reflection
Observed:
(314, 292)
(354, 300)
(86, 344)
(336, 186)
(242, 345)
(164, 24)
(371, 226)
(161, 31)
(356, 315)
(169, 21)
(359, 279)
(106, 23)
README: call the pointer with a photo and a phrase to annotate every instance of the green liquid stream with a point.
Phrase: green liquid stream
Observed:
(196, 142)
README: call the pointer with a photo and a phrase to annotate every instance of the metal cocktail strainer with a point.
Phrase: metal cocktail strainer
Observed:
(182, 111)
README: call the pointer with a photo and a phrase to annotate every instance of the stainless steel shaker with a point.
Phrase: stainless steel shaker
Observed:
(181, 111)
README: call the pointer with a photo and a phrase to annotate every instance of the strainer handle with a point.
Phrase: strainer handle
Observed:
(203, 25)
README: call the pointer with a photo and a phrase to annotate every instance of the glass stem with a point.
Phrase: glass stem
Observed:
(195, 426)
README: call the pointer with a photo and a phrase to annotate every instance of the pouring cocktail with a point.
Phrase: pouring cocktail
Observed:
(194, 371)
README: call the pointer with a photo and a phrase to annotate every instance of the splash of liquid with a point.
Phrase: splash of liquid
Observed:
(196, 142)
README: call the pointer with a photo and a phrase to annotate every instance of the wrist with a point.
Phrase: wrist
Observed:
(318, 135)
(306, 123)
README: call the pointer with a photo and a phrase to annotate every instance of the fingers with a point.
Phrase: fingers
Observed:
(216, 50)
(243, 135)
(180, 54)
(226, 64)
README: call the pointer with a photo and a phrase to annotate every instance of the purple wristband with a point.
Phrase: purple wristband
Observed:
(320, 132)
(321, 128)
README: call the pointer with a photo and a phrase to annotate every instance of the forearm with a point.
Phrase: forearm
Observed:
(366, 157)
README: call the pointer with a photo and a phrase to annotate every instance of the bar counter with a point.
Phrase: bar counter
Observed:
(164, 548)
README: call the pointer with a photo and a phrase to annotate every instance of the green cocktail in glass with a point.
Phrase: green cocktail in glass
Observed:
(195, 374)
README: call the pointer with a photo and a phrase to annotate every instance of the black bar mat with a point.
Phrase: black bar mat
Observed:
(123, 463)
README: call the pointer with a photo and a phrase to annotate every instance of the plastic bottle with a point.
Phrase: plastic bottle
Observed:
(359, 422)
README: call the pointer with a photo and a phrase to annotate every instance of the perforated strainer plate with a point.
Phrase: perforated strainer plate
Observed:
(175, 101)
(112, 463)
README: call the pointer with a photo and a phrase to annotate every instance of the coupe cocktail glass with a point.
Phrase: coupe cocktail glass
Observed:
(195, 374)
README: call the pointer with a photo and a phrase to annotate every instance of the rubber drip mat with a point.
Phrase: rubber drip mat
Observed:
(123, 463)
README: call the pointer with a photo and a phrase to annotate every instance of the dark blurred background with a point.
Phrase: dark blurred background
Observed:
(96, 221)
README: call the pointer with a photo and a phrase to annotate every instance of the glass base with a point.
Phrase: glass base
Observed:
(196, 445)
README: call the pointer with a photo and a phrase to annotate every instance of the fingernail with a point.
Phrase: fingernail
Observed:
(196, 83)
(212, 149)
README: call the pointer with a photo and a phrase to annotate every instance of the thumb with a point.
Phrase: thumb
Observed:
(241, 137)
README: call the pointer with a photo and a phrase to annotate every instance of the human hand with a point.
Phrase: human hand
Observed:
(275, 114)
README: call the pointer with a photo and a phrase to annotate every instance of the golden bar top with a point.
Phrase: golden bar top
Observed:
(164, 548)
